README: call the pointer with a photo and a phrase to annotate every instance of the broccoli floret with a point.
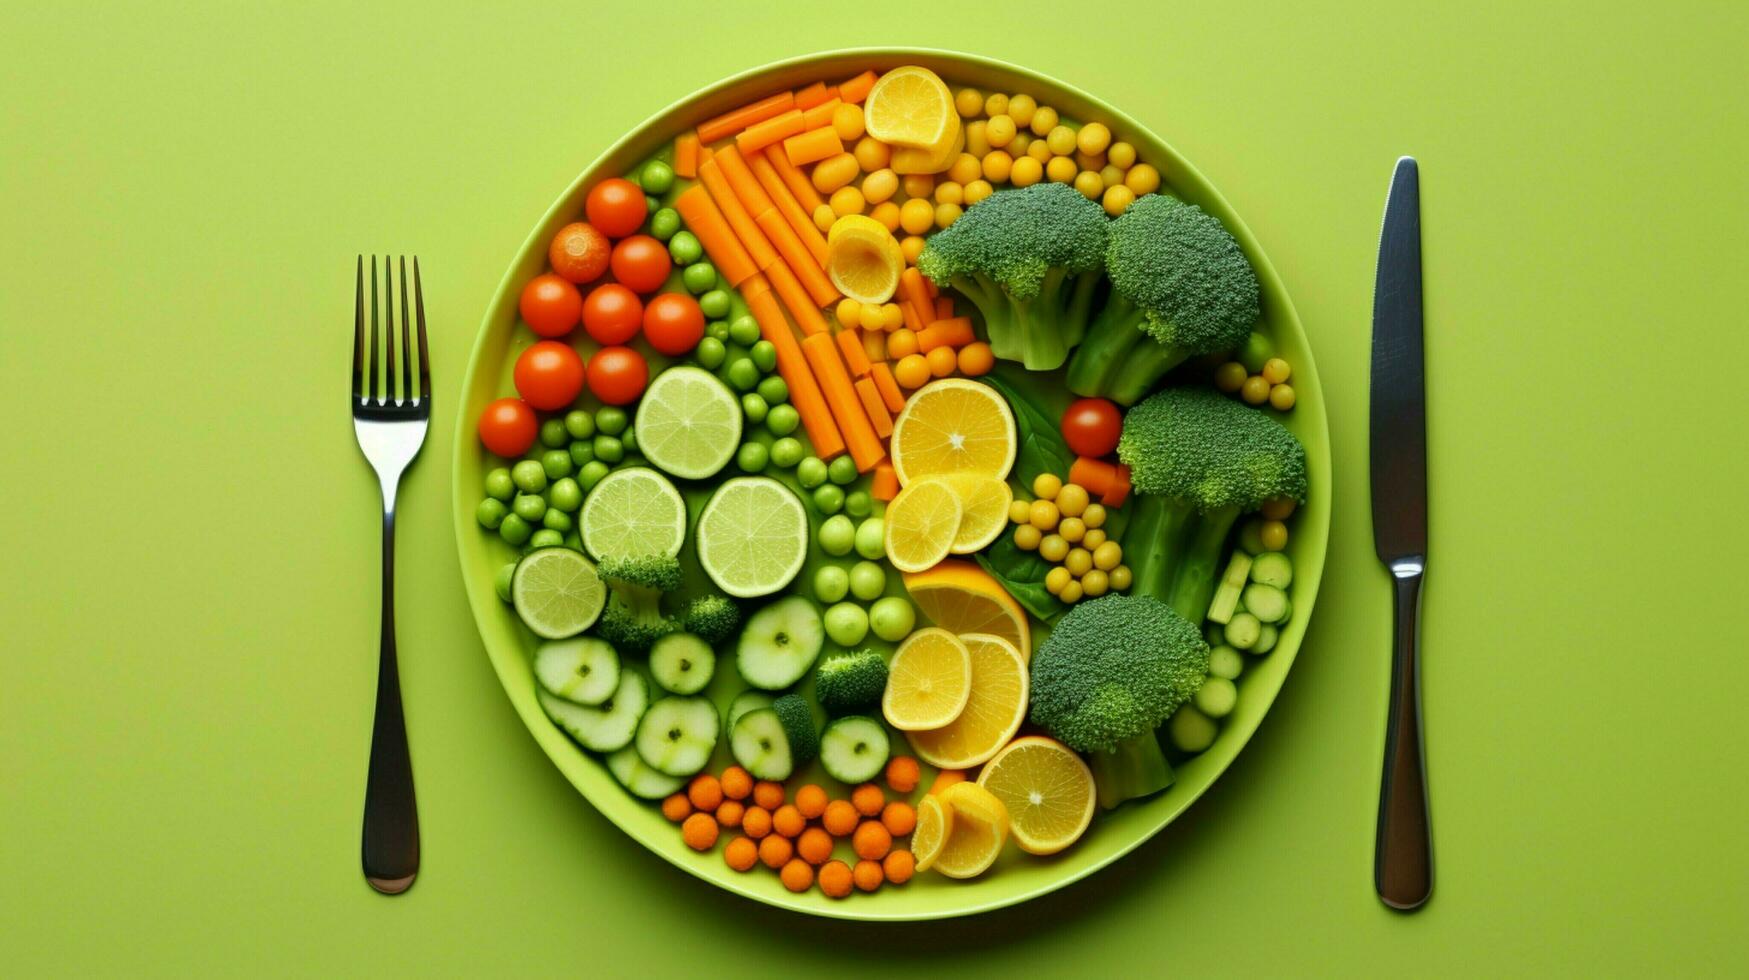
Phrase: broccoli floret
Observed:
(1180, 286)
(633, 619)
(1197, 461)
(1029, 260)
(1112, 670)
(851, 682)
(713, 617)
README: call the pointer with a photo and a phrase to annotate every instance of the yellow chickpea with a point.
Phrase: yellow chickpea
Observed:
(965, 169)
(919, 185)
(849, 312)
(969, 102)
(1044, 119)
(1095, 582)
(1090, 161)
(1111, 175)
(1117, 200)
(846, 200)
(1044, 515)
(1281, 397)
(1108, 556)
(1274, 535)
(824, 216)
(1094, 515)
(976, 144)
(949, 192)
(834, 172)
(1071, 593)
(847, 121)
(1061, 140)
(887, 213)
(1120, 577)
(997, 166)
(870, 318)
(916, 216)
(1276, 370)
(1027, 537)
(977, 190)
(1142, 179)
(1021, 109)
(947, 214)
(879, 186)
(1056, 578)
(1093, 138)
(1230, 377)
(1039, 150)
(1121, 155)
(1046, 486)
(1072, 529)
(996, 104)
(1019, 143)
(1079, 562)
(1072, 500)
(1026, 172)
(1255, 390)
(1061, 170)
(871, 154)
(999, 131)
(910, 247)
(1052, 547)
(892, 318)
(1093, 538)
(1020, 512)
(1089, 184)
(1279, 509)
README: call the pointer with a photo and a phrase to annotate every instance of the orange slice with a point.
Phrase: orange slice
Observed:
(1047, 790)
(960, 597)
(991, 715)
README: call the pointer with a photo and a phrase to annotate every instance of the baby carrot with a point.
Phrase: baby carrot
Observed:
(704, 220)
(874, 346)
(854, 356)
(801, 263)
(798, 220)
(1096, 476)
(886, 479)
(792, 366)
(710, 174)
(872, 404)
(913, 317)
(859, 435)
(793, 178)
(735, 120)
(812, 146)
(686, 155)
(856, 89)
(912, 288)
(820, 116)
(888, 386)
(796, 298)
(741, 182)
(1120, 488)
(812, 95)
(943, 307)
(761, 135)
(944, 779)
(952, 332)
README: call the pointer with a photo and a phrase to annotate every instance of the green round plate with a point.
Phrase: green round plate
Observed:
(1016, 877)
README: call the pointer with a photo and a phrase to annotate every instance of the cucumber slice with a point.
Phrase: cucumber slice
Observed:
(1273, 568)
(677, 735)
(583, 670)
(854, 749)
(1226, 598)
(682, 663)
(639, 779)
(780, 643)
(744, 702)
(610, 725)
(758, 742)
(1266, 602)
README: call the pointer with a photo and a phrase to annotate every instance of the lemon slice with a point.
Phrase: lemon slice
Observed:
(911, 106)
(979, 829)
(992, 714)
(931, 160)
(1047, 790)
(863, 259)
(921, 524)
(953, 426)
(934, 824)
(929, 681)
(752, 536)
(960, 597)
(984, 504)
(634, 511)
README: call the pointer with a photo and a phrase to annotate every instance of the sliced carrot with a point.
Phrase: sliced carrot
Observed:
(735, 120)
(859, 435)
(793, 178)
(820, 115)
(944, 779)
(798, 220)
(741, 182)
(885, 485)
(854, 356)
(704, 220)
(812, 95)
(762, 135)
(888, 385)
(874, 346)
(874, 407)
(1120, 488)
(943, 307)
(911, 287)
(705, 153)
(792, 366)
(913, 320)
(952, 332)
(931, 288)
(796, 299)
(710, 174)
(857, 89)
(800, 261)
(1096, 476)
(686, 155)
(812, 146)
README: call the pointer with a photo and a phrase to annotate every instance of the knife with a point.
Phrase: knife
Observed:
(1403, 856)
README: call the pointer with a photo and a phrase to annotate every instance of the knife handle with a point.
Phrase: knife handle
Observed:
(1403, 859)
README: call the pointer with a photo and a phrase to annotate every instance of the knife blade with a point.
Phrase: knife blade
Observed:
(1403, 852)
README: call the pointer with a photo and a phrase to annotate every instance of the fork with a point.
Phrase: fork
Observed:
(390, 423)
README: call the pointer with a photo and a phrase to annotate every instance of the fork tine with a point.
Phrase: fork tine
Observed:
(358, 333)
(424, 347)
(375, 360)
(406, 346)
(389, 394)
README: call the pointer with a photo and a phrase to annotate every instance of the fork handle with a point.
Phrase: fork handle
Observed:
(1403, 858)
(391, 815)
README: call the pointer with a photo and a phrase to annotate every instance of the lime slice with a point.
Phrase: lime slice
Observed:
(752, 536)
(634, 511)
(689, 423)
(556, 592)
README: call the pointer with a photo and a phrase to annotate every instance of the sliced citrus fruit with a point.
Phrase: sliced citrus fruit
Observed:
(1047, 790)
(980, 828)
(752, 536)
(928, 160)
(960, 597)
(992, 714)
(911, 106)
(921, 524)
(557, 593)
(953, 426)
(634, 511)
(689, 423)
(929, 681)
(934, 824)
(984, 504)
(863, 259)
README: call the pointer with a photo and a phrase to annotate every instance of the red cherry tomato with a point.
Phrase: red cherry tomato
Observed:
(611, 313)
(550, 305)
(641, 263)
(508, 427)
(549, 375)
(1091, 427)
(673, 324)
(617, 375)
(579, 252)
(616, 207)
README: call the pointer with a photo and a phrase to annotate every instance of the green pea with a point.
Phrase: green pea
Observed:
(491, 513)
(611, 420)
(629, 441)
(892, 618)
(684, 248)
(811, 472)
(871, 540)
(580, 424)
(582, 452)
(657, 177)
(764, 354)
(831, 583)
(714, 303)
(774, 390)
(782, 419)
(556, 519)
(699, 277)
(858, 503)
(1251, 537)
(1224, 661)
(574, 541)
(710, 353)
(591, 474)
(651, 203)
(752, 457)
(828, 499)
(753, 407)
(786, 452)
(837, 534)
(717, 330)
(609, 450)
(867, 580)
(1256, 352)
(553, 434)
(744, 330)
(556, 463)
(499, 486)
(529, 476)
(743, 374)
(846, 624)
(546, 537)
(529, 506)
(514, 530)
(565, 495)
(842, 471)
(501, 581)
(664, 223)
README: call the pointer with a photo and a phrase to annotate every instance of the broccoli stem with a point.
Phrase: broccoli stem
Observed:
(1135, 768)
(1119, 360)
(1174, 552)
(1038, 332)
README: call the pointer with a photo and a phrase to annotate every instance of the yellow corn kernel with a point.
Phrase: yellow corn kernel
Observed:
(871, 317)
(824, 216)
(849, 312)
(1046, 486)
(916, 216)
(999, 131)
(911, 246)
(997, 166)
(976, 144)
(1026, 172)
(846, 200)
(1021, 142)
(1043, 121)
(1089, 184)
(1120, 577)
(1020, 511)
(1094, 537)
(977, 190)
(1072, 499)
(964, 170)
(879, 186)
(847, 121)
(1072, 529)
(1093, 138)
(1094, 515)
(1071, 593)
(1053, 548)
(834, 172)
(1122, 155)
(1078, 561)
(871, 154)
(887, 213)
(1117, 200)
(948, 192)
(996, 104)
(1090, 161)
(1027, 537)
(1061, 170)
(892, 318)
(1044, 512)
(947, 214)
(1061, 140)
(969, 102)
(1039, 150)
(1108, 556)
(1111, 175)
(1056, 578)
(1142, 179)
(1095, 583)
(1021, 108)
(919, 185)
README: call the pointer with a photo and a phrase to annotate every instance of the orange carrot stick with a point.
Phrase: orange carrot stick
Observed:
(797, 182)
(854, 356)
(888, 386)
(859, 434)
(820, 115)
(705, 153)
(885, 485)
(793, 215)
(953, 332)
(795, 254)
(874, 346)
(911, 286)
(878, 416)
(705, 221)
(810, 96)
(796, 299)
(792, 366)
(812, 146)
(710, 174)
(741, 182)
(1096, 476)
(943, 307)
(735, 120)
(761, 135)
(1120, 487)
(855, 90)
(913, 320)
(686, 155)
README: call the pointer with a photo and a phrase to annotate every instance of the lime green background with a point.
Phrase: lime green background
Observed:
(189, 591)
